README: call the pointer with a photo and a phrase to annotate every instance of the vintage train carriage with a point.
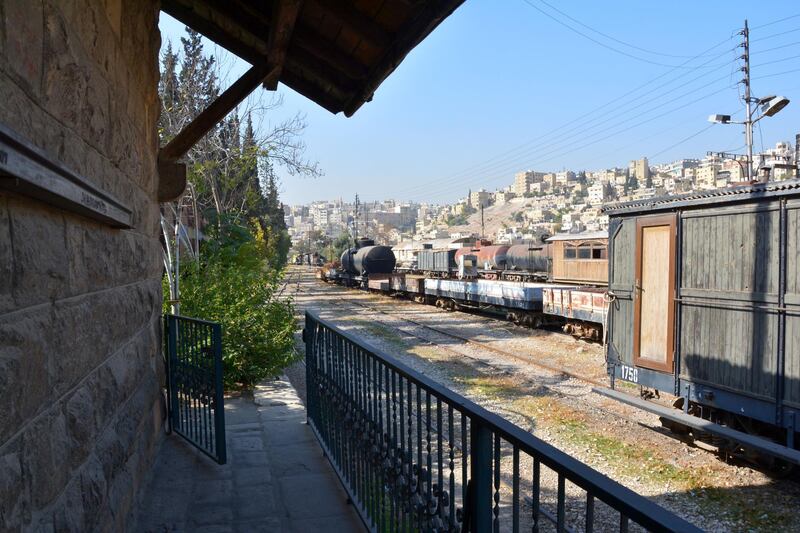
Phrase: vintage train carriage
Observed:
(580, 258)
(706, 303)
(584, 309)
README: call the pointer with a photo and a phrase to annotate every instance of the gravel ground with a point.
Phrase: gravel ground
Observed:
(624, 443)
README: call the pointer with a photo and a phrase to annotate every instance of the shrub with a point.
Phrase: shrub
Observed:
(234, 285)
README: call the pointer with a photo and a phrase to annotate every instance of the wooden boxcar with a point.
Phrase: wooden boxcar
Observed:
(706, 303)
(580, 258)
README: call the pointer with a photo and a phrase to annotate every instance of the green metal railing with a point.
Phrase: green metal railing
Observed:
(194, 383)
(415, 456)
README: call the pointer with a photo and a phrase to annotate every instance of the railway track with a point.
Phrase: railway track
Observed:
(486, 347)
(478, 344)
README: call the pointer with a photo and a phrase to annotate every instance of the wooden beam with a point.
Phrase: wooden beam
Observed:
(280, 35)
(171, 180)
(216, 111)
(364, 26)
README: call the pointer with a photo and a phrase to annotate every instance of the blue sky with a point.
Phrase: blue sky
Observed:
(501, 87)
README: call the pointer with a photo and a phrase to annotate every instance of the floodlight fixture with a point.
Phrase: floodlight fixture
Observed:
(720, 119)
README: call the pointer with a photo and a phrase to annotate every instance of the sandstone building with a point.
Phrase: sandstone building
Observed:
(81, 178)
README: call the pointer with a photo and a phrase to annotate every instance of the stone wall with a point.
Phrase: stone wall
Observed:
(80, 362)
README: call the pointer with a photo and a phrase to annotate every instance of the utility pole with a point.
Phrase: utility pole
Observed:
(355, 237)
(483, 231)
(748, 123)
(770, 105)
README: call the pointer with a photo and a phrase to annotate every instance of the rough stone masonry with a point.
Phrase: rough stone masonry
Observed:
(80, 359)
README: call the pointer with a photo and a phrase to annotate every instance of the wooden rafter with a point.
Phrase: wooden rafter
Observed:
(414, 31)
(361, 24)
(280, 35)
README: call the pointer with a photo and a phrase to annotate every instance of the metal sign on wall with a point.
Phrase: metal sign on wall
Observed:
(29, 171)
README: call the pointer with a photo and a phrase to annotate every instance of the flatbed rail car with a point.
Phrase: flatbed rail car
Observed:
(705, 292)
(518, 302)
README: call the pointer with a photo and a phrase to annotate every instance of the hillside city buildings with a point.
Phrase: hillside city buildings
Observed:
(534, 204)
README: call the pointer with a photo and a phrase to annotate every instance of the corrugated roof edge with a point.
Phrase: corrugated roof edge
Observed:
(714, 196)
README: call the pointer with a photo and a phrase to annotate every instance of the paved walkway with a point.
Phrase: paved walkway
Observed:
(276, 478)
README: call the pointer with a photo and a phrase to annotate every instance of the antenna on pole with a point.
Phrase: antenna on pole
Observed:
(748, 123)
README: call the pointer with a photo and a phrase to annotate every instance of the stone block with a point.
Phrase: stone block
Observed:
(66, 74)
(81, 424)
(46, 444)
(68, 514)
(92, 327)
(23, 46)
(93, 490)
(14, 493)
(23, 359)
(40, 257)
(6, 258)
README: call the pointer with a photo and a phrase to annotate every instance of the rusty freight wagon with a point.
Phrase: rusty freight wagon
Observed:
(583, 309)
(705, 291)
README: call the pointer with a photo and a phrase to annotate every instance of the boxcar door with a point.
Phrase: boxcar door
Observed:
(654, 303)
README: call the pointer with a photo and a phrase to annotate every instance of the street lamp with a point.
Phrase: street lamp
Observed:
(770, 106)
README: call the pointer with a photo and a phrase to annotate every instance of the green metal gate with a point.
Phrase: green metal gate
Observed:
(194, 383)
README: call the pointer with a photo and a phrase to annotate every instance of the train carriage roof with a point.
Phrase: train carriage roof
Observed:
(702, 198)
(584, 236)
(334, 52)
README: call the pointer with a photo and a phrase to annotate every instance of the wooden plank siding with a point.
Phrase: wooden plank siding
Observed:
(729, 293)
(593, 271)
(791, 392)
(621, 330)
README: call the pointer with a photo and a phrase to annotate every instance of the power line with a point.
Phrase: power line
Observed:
(543, 149)
(690, 137)
(487, 166)
(600, 43)
(772, 36)
(610, 36)
(775, 48)
(775, 21)
(583, 125)
(610, 135)
(777, 74)
(777, 61)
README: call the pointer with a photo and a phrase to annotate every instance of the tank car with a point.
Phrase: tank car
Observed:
(526, 262)
(368, 260)
(491, 257)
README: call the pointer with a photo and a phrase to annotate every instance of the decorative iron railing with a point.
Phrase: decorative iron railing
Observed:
(194, 383)
(416, 456)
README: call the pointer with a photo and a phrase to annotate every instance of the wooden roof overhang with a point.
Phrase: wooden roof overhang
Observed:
(334, 52)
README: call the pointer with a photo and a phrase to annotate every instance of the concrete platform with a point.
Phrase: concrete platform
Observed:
(276, 479)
